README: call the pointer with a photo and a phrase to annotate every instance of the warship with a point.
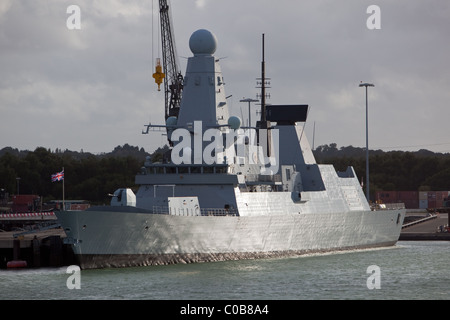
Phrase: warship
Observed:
(227, 191)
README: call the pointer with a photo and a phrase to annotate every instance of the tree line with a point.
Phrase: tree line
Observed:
(422, 170)
(86, 176)
(92, 177)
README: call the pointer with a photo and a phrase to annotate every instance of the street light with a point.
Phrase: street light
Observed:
(367, 138)
(18, 184)
(249, 101)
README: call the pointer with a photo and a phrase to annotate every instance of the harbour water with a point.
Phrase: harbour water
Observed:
(410, 270)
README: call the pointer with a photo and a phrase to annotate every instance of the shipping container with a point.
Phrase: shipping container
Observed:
(408, 195)
(441, 198)
(431, 195)
(441, 195)
(411, 203)
(80, 206)
(24, 199)
(25, 203)
(414, 199)
(423, 204)
(409, 198)
(423, 195)
(387, 196)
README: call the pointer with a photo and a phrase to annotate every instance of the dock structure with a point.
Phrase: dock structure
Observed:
(426, 227)
(38, 249)
(33, 240)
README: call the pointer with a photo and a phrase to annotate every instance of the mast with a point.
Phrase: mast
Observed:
(263, 81)
(173, 80)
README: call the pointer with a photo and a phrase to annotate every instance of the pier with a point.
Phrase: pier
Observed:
(423, 226)
(33, 240)
(35, 250)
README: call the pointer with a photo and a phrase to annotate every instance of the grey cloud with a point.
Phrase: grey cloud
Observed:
(92, 88)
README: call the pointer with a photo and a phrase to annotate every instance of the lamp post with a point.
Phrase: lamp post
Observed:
(18, 185)
(249, 102)
(367, 137)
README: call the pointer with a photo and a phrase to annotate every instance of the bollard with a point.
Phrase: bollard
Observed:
(16, 249)
(55, 251)
(36, 245)
(16, 263)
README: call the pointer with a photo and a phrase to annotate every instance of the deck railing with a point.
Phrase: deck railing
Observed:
(194, 212)
(388, 206)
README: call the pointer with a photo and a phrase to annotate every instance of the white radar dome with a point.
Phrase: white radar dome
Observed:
(203, 42)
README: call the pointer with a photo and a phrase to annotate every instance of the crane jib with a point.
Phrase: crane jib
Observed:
(173, 80)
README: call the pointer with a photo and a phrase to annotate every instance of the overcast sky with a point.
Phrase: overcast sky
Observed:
(92, 88)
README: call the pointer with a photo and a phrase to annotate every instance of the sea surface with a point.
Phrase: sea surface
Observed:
(410, 270)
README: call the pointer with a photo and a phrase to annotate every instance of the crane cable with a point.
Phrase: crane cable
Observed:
(159, 74)
(153, 35)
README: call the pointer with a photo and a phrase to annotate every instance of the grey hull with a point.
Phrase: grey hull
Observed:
(114, 239)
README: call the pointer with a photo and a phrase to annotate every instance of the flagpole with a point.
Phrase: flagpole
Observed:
(64, 207)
